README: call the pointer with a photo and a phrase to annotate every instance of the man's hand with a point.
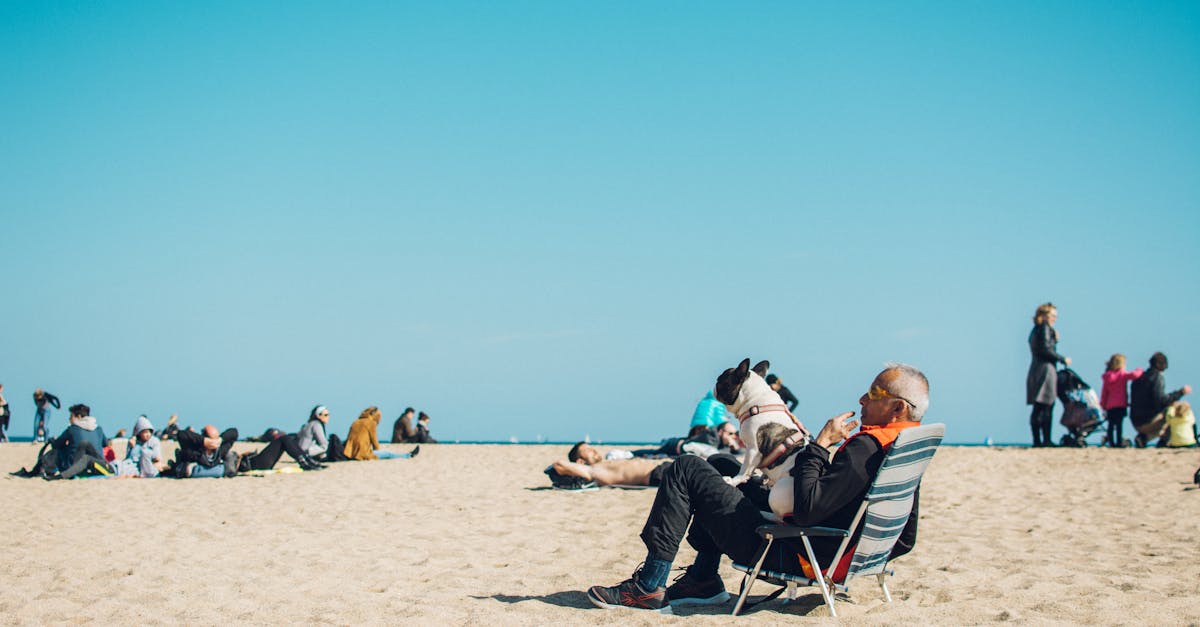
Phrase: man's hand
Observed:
(837, 429)
(1187, 389)
(1066, 361)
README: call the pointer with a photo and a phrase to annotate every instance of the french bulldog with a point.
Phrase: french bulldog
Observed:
(771, 433)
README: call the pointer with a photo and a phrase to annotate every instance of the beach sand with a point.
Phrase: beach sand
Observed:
(469, 534)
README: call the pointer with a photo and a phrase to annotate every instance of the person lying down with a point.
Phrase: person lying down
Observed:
(585, 462)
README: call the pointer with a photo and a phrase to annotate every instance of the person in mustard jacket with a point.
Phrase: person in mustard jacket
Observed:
(362, 440)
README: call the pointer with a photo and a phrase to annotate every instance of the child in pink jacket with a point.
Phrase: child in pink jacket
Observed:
(1114, 396)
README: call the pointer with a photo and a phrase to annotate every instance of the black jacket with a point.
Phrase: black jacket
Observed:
(788, 398)
(1148, 397)
(1043, 344)
(829, 494)
(47, 399)
(191, 450)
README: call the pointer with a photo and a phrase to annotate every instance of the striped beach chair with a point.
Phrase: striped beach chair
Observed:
(886, 510)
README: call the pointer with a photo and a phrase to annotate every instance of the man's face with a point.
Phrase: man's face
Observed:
(729, 438)
(589, 455)
(777, 384)
(879, 405)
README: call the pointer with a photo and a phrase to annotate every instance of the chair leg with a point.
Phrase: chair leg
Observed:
(887, 596)
(792, 591)
(748, 580)
(820, 576)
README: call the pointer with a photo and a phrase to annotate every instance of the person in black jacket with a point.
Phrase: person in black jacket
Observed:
(45, 403)
(1042, 381)
(423, 436)
(785, 394)
(1149, 402)
(207, 454)
(720, 519)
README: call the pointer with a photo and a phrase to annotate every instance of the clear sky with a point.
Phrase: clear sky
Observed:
(566, 218)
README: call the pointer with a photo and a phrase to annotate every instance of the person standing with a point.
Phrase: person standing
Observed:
(46, 403)
(1041, 384)
(785, 394)
(4, 416)
(1114, 397)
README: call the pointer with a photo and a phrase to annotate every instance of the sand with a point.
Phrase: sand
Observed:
(469, 535)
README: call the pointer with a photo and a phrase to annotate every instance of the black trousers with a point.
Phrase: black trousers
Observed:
(722, 518)
(1116, 420)
(1039, 423)
(266, 458)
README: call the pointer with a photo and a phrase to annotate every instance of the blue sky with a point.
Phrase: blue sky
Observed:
(565, 219)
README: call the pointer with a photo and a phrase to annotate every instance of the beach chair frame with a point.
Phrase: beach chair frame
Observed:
(886, 508)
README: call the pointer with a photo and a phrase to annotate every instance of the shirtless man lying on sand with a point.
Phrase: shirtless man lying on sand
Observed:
(585, 461)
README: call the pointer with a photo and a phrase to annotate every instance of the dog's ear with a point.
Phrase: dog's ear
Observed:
(743, 367)
(761, 368)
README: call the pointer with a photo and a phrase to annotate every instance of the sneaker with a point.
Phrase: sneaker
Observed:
(629, 595)
(691, 590)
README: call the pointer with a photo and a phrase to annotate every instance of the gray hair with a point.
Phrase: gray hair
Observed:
(912, 384)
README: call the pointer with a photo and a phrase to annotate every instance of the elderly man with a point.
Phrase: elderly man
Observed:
(828, 491)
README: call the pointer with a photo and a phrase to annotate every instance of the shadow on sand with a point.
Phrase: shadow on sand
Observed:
(802, 606)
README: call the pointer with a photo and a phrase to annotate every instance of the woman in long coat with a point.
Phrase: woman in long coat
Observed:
(1041, 384)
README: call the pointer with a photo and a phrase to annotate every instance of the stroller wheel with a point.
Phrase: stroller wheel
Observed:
(1067, 440)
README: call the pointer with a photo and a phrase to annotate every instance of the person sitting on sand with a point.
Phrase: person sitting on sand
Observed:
(1181, 426)
(404, 430)
(207, 454)
(311, 437)
(828, 492)
(82, 443)
(586, 462)
(423, 436)
(143, 454)
(362, 440)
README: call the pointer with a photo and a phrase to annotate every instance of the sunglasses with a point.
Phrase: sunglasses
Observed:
(877, 393)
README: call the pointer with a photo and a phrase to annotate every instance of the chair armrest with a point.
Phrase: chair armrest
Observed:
(792, 531)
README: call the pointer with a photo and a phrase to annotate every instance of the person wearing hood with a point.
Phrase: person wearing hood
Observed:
(312, 435)
(80, 445)
(143, 456)
(362, 441)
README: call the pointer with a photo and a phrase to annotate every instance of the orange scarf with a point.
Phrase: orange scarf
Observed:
(883, 434)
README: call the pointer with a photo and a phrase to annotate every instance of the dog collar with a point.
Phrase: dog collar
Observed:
(766, 409)
(763, 409)
(777, 456)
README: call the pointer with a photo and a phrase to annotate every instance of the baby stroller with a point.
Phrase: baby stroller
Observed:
(1082, 414)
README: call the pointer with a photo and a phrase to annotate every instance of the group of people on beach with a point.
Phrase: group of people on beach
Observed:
(1156, 415)
(712, 435)
(696, 500)
(83, 449)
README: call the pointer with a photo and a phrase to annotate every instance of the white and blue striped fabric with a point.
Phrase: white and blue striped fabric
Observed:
(889, 501)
